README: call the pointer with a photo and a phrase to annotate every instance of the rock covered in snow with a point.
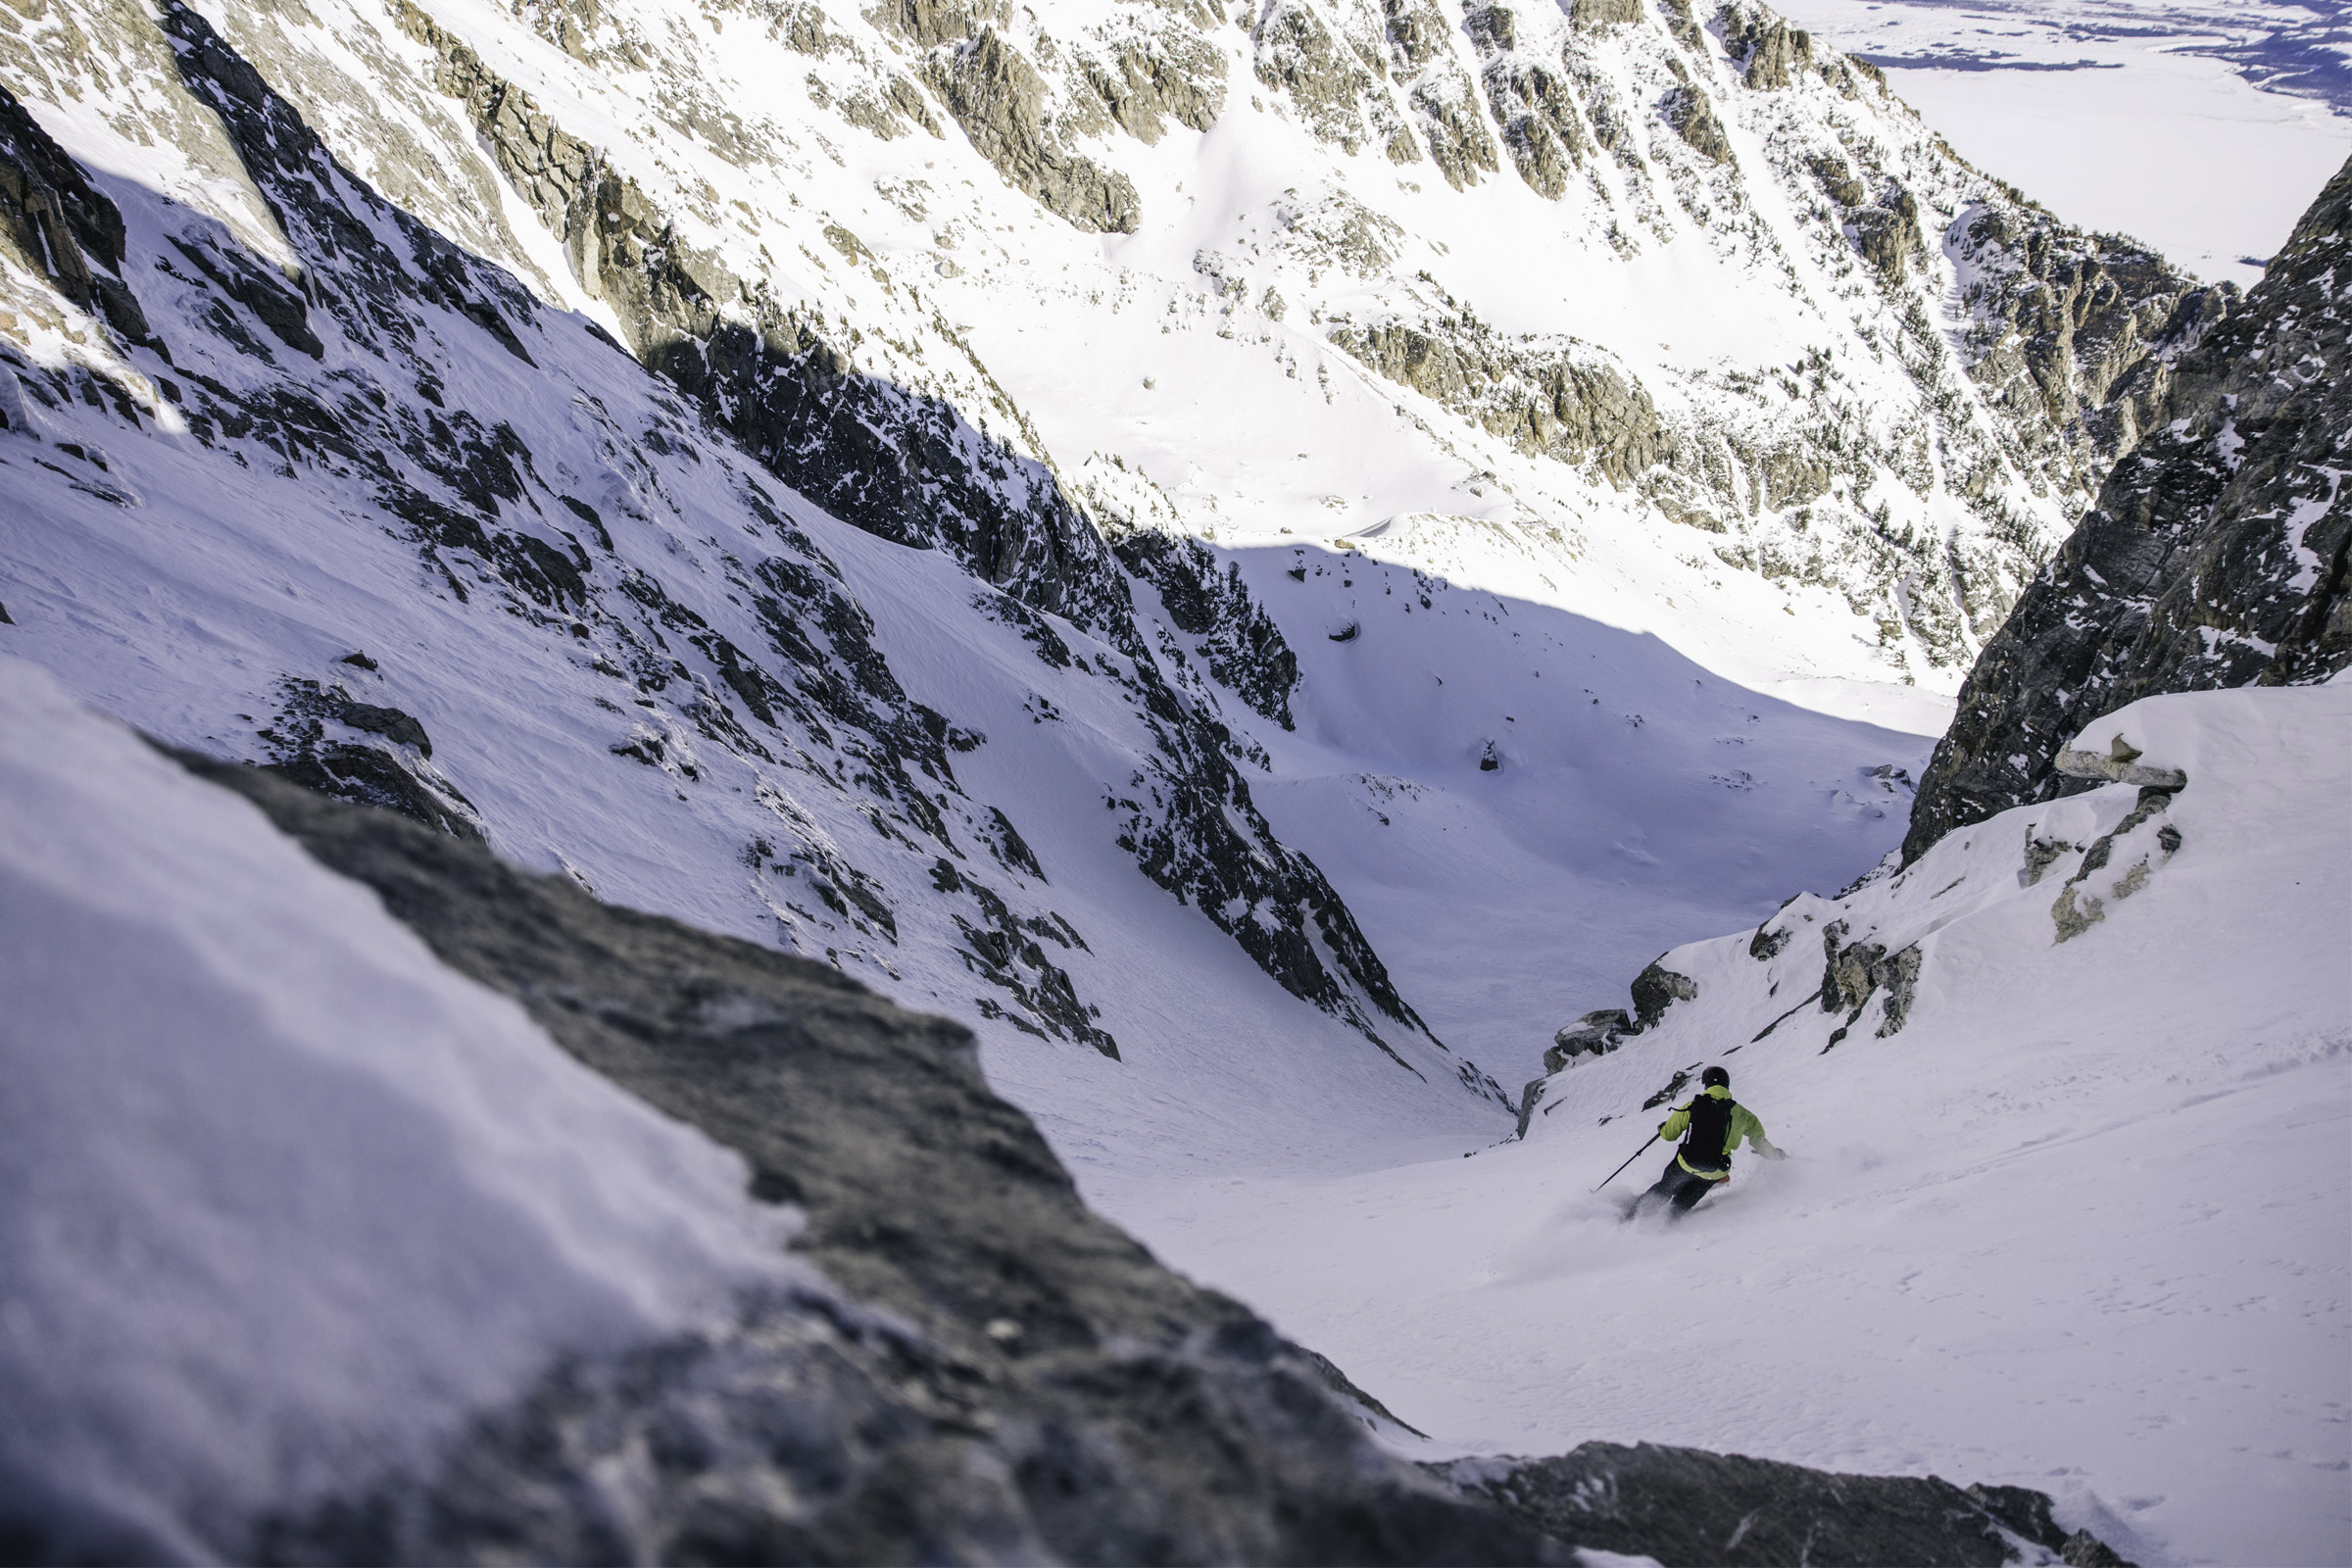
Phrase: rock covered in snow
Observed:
(1682, 1505)
(284, 1201)
(2215, 557)
(1821, 970)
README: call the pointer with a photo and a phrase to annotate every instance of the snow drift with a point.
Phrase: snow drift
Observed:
(282, 1199)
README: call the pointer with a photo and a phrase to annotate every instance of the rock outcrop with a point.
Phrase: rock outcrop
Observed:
(1232, 632)
(55, 225)
(1686, 1507)
(2215, 557)
(1598, 1033)
(1556, 398)
(1020, 1380)
(2073, 336)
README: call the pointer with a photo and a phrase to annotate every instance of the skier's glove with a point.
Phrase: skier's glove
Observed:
(1771, 1152)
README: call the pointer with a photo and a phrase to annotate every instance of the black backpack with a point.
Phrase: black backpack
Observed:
(1710, 1129)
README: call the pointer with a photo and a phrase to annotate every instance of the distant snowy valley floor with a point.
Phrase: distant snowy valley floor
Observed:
(2199, 128)
(2082, 1226)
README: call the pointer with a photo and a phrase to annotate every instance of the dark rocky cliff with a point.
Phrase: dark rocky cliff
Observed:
(2213, 558)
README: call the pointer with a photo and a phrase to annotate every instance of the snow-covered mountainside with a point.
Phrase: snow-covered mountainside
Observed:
(437, 547)
(1257, 557)
(810, 635)
(2066, 1099)
(1653, 299)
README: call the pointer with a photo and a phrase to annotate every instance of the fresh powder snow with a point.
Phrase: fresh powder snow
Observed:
(2080, 1224)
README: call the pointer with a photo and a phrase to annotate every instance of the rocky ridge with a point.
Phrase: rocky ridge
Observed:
(1918, 480)
(2215, 557)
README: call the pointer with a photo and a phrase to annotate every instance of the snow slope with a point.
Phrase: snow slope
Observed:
(2080, 1224)
(644, 660)
(631, 655)
(282, 1199)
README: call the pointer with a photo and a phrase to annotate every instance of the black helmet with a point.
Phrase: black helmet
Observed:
(1715, 1078)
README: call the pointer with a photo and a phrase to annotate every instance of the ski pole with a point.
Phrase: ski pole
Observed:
(1629, 1159)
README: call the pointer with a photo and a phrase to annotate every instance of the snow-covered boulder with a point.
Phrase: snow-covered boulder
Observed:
(282, 1199)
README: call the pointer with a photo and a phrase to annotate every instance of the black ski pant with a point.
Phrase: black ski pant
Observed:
(1680, 1188)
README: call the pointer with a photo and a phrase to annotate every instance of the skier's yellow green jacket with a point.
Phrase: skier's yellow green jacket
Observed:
(1744, 1125)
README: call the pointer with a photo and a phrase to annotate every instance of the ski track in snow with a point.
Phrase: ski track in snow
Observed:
(2079, 1226)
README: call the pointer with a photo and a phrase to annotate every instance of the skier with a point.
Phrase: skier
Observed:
(1710, 1127)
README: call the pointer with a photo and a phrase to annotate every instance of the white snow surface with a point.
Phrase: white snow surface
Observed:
(282, 1199)
(2081, 1225)
(1195, 350)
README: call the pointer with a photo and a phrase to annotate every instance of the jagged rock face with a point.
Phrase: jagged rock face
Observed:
(1138, 72)
(1016, 1378)
(353, 364)
(1563, 401)
(2075, 335)
(995, 95)
(1693, 117)
(1625, 117)
(1533, 102)
(1684, 1507)
(1438, 93)
(1337, 85)
(53, 225)
(2215, 557)
(1655, 988)
(1244, 648)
